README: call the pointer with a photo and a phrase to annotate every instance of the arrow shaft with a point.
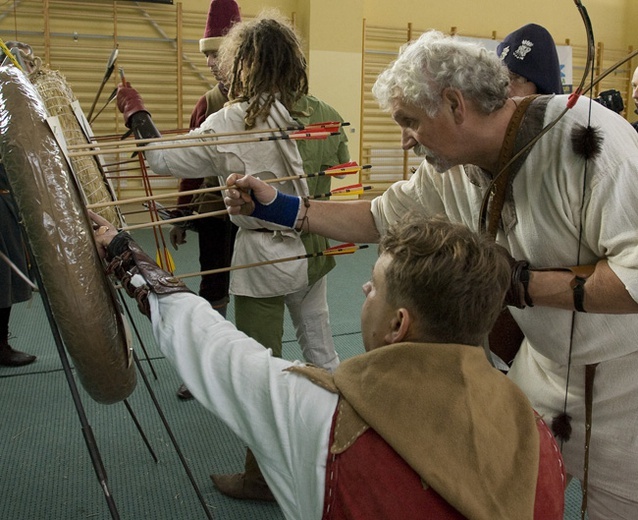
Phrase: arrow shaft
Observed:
(204, 142)
(212, 189)
(186, 137)
(270, 262)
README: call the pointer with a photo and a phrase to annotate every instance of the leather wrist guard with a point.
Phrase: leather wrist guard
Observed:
(127, 259)
(518, 294)
(142, 125)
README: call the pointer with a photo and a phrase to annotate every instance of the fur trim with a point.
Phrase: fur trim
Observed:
(210, 44)
(562, 426)
(586, 141)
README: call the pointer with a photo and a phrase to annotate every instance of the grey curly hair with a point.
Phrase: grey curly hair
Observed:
(435, 61)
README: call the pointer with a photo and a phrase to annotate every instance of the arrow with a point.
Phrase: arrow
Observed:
(163, 257)
(341, 249)
(204, 140)
(353, 189)
(107, 74)
(345, 168)
(302, 134)
(108, 102)
(327, 127)
(333, 125)
(168, 213)
(342, 169)
(317, 128)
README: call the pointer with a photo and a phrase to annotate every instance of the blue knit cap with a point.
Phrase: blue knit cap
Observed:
(530, 52)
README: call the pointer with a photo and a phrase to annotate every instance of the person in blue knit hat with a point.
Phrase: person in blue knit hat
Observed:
(531, 57)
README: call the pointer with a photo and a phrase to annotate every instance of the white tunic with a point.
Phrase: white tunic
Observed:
(547, 194)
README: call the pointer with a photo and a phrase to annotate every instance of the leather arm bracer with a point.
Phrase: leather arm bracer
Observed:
(518, 294)
(143, 126)
(127, 259)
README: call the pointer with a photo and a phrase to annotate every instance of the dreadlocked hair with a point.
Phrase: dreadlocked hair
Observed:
(263, 61)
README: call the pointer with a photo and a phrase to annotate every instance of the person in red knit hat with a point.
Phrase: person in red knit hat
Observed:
(216, 235)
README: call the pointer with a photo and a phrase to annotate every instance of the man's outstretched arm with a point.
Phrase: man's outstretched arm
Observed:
(348, 221)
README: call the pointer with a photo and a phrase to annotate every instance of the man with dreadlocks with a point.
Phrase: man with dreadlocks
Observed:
(568, 215)
(267, 88)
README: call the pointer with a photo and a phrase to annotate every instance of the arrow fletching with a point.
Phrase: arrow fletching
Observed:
(343, 249)
(165, 260)
(326, 126)
(312, 134)
(353, 189)
(346, 168)
(318, 130)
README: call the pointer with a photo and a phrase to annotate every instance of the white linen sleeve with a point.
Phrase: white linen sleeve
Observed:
(284, 418)
(417, 194)
(200, 161)
(611, 221)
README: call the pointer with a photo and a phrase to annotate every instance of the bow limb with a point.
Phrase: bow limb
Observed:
(573, 98)
(591, 49)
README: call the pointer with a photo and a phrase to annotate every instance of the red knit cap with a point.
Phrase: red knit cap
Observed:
(221, 16)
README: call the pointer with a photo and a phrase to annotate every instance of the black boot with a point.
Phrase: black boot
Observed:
(13, 358)
(184, 393)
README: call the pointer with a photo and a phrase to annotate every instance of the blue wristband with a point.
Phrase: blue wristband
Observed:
(283, 210)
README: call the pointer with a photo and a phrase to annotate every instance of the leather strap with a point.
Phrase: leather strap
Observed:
(502, 180)
(577, 284)
(590, 373)
(581, 273)
(578, 290)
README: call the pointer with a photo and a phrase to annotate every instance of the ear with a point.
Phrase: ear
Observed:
(454, 100)
(400, 326)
